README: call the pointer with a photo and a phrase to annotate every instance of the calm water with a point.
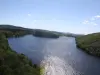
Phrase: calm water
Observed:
(60, 56)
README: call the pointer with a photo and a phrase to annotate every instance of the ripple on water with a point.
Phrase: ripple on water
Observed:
(53, 65)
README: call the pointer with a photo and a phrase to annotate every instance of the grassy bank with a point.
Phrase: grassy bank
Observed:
(89, 43)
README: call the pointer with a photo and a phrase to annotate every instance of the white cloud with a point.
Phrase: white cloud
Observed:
(97, 16)
(29, 14)
(92, 20)
(89, 23)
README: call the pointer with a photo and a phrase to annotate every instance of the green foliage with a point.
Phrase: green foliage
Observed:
(48, 34)
(12, 63)
(20, 31)
(90, 43)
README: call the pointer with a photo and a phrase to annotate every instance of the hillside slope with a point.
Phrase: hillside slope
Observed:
(12, 63)
(37, 32)
(89, 43)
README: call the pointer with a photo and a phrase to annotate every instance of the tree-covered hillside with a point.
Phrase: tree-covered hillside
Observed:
(36, 32)
(17, 31)
(90, 43)
(12, 63)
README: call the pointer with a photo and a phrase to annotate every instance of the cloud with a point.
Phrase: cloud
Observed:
(92, 21)
(97, 16)
(29, 14)
(89, 23)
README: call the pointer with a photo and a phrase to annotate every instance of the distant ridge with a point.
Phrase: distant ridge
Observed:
(32, 31)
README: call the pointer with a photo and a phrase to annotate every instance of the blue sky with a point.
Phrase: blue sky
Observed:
(76, 16)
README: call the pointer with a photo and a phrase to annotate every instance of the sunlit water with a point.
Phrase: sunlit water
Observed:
(58, 56)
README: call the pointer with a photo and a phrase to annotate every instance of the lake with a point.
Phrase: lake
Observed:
(59, 56)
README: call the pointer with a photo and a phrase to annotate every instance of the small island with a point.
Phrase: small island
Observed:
(89, 43)
(45, 34)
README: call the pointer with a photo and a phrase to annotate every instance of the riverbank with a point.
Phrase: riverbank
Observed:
(12, 63)
(89, 43)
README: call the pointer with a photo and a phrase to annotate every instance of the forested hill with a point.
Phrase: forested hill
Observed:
(90, 43)
(35, 32)
(12, 63)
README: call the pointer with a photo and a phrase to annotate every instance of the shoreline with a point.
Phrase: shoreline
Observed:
(91, 50)
(10, 58)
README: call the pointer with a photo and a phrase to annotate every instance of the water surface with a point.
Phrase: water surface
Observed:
(59, 56)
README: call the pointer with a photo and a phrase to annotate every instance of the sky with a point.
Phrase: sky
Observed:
(75, 16)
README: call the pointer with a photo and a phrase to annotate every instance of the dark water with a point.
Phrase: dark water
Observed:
(64, 48)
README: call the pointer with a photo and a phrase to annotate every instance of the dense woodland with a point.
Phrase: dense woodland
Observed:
(19, 31)
(12, 63)
(89, 43)
(35, 32)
